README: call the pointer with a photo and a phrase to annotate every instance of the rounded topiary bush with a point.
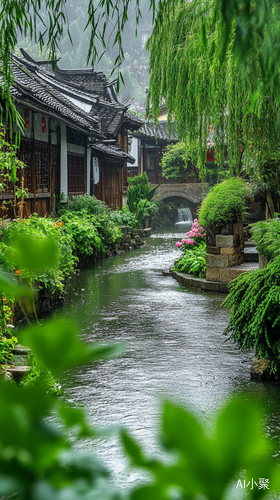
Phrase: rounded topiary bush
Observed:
(224, 204)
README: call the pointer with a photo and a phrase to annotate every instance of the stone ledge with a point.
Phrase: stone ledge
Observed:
(190, 281)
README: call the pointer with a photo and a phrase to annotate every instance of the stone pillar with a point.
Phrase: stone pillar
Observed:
(224, 247)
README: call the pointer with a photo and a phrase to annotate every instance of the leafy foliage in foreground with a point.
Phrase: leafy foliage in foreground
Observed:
(38, 461)
(266, 235)
(44, 231)
(224, 204)
(254, 322)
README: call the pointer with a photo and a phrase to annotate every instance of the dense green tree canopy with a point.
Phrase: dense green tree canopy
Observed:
(202, 86)
(176, 163)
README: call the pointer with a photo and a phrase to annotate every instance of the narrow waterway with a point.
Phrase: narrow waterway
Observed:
(174, 348)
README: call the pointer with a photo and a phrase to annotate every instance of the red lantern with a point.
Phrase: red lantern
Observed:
(44, 125)
(26, 118)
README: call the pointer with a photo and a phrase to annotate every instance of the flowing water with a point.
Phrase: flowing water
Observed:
(174, 348)
(184, 216)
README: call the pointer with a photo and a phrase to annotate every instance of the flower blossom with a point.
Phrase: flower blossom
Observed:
(179, 244)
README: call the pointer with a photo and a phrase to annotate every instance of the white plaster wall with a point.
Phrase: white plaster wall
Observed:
(83, 105)
(134, 152)
(26, 131)
(72, 148)
(53, 127)
(63, 159)
(38, 134)
(53, 138)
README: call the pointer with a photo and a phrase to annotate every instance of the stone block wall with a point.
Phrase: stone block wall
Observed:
(224, 251)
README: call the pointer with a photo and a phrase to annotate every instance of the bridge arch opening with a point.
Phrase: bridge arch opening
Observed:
(168, 207)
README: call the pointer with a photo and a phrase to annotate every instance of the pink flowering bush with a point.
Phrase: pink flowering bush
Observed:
(194, 247)
(196, 236)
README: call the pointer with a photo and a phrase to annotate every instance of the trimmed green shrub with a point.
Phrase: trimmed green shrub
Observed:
(224, 204)
(266, 235)
(254, 322)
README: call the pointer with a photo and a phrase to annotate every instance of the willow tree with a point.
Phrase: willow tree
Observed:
(202, 86)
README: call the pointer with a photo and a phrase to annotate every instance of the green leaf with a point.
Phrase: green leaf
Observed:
(34, 254)
(75, 418)
(133, 450)
(57, 346)
(9, 287)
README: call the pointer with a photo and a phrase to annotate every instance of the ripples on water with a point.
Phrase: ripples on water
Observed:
(175, 349)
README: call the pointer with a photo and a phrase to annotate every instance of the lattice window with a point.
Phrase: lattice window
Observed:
(42, 167)
(151, 161)
(76, 173)
(25, 155)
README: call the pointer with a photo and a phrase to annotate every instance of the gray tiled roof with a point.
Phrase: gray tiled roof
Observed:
(106, 114)
(32, 88)
(159, 132)
(101, 149)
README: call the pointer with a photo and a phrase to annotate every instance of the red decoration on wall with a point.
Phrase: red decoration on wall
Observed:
(44, 125)
(26, 118)
(211, 155)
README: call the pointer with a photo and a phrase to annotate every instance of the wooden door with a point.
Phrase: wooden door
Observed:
(76, 174)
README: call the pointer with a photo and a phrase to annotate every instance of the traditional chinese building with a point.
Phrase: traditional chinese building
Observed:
(75, 135)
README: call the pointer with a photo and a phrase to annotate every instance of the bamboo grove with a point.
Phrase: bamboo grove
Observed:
(203, 86)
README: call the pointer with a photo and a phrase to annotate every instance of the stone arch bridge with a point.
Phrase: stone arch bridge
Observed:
(193, 192)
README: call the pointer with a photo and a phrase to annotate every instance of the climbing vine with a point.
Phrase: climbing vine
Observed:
(202, 87)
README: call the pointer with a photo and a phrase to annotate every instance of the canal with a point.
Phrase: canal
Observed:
(174, 349)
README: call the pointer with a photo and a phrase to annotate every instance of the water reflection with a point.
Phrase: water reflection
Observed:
(175, 348)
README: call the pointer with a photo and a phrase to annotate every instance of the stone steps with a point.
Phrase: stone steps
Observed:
(18, 372)
(20, 366)
(227, 274)
(21, 350)
(250, 254)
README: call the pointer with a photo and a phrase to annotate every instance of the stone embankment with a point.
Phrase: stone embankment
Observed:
(224, 247)
(132, 238)
(229, 254)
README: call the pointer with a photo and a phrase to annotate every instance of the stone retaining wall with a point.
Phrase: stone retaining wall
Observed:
(224, 248)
